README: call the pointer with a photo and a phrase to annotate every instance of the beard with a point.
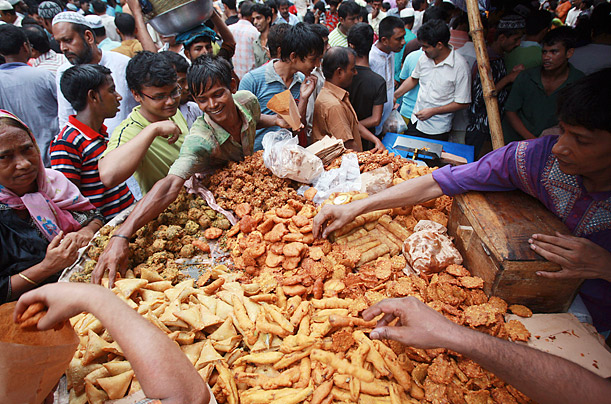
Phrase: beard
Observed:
(82, 58)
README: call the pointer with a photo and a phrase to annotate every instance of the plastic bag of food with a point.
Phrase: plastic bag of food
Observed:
(429, 249)
(286, 159)
(394, 123)
(346, 178)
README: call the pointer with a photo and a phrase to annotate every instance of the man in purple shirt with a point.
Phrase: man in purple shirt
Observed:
(570, 174)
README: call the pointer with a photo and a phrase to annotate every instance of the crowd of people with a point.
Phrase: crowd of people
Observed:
(99, 111)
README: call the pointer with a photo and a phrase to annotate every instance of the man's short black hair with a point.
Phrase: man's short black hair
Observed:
(98, 6)
(564, 35)
(417, 4)
(348, 8)
(320, 6)
(388, 25)
(601, 19)
(360, 37)
(320, 29)
(230, 4)
(149, 69)
(537, 21)
(587, 102)
(99, 32)
(12, 39)
(335, 58)
(436, 13)
(433, 32)
(263, 9)
(272, 4)
(125, 24)
(38, 38)
(301, 40)
(76, 82)
(333, 2)
(180, 63)
(246, 8)
(206, 71)
(282, 3)
(274, 38)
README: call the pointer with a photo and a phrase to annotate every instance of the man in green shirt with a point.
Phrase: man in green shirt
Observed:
(137, 146)
(226, 132)
(529, 52)
(531, 105)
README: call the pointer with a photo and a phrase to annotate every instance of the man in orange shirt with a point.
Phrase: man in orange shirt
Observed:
(563, 9)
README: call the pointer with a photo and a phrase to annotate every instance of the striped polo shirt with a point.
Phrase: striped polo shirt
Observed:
(75, 152)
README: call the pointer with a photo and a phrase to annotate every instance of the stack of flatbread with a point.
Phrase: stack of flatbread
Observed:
(327, 149)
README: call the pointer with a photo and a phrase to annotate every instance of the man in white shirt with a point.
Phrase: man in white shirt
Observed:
(445, 83)
(382, 59)
(376, 16)
(284, 17)
(419, 7)
(99, 8)
(77, 42)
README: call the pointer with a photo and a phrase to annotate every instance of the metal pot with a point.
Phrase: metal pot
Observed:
(183, 17)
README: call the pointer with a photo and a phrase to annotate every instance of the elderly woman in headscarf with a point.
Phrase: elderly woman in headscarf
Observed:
(44, 219)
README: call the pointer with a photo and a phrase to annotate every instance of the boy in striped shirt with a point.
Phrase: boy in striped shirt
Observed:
(75, 151)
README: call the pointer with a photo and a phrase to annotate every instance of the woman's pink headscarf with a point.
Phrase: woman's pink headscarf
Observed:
(53, 200)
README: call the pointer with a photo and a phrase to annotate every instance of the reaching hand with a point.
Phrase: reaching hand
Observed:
(80, 238)
(578, 257)
(331, 218)
(114, 258)
(378, 146)
(418, 326)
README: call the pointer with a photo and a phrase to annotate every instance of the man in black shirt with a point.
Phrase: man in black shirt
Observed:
(368, 89)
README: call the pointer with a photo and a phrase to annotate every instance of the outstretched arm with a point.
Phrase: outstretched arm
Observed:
(119, 164)
(543, 377)
(116, 254)
(411, 192)
(164, 372)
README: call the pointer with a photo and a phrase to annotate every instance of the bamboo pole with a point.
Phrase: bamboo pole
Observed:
(485, 74)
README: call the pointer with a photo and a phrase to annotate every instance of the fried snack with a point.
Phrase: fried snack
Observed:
(321, 392)
(212, 233)
(376, 388)
(517, 331)
(243, 209)
(520, 310)
(361, 220)
(395, 228)
(345, 321)
(472, 282)
(373, 254)
(310, 193)
(285, 379)
(342, 365)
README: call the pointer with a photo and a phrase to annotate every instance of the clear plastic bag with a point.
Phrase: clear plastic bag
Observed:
(394, 123)
(286, 159)
(346, 178)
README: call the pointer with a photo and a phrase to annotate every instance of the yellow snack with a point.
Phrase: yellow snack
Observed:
(341, 365)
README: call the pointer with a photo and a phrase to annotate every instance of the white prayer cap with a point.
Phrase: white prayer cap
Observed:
(94, 21)
(70, 16)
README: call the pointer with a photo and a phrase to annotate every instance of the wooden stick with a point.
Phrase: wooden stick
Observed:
(485, 74)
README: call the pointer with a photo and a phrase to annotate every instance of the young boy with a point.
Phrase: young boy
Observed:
(78, 147)
(226, 132)
(188, 108)
(136, 146)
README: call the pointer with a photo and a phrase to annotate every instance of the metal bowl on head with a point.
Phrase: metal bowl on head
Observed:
(183, 17)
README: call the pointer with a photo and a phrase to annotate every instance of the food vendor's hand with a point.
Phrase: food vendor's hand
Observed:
(63, 301)
(378, 146)
(425, 114)
(282, 123)
(61, 252)
(330, 218)
(167, 129)
(307, 87)
(114, 258)
(578, 257)
(418, 326)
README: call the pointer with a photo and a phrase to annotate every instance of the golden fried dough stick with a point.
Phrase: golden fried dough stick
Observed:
(373, 254)
(347, 321)
(341, 365)
(373, 356)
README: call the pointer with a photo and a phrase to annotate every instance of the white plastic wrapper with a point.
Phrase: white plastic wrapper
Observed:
(346, 178)
(286, 159)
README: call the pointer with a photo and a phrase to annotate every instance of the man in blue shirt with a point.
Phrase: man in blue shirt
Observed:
(300, 53)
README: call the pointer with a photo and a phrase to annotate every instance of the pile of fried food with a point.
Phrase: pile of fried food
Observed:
(250, 181)
(181, 231)
(284, 324)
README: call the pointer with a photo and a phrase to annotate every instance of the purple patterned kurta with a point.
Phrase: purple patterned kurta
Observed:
(531, 167)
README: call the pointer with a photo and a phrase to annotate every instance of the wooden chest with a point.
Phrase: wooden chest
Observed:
(491, 231)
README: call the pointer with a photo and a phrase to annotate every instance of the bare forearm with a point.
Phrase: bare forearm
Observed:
(449, 108)
(411, 192)
(162, 369)
(142, 32)
(517, 124)
(406, 86)
(375, 118)
(266, 121)
(366, 134)
(155, 201)
(222, 28)
(118, 165)
(528, 369)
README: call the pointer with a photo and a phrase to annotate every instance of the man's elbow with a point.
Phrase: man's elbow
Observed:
(108, 176)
